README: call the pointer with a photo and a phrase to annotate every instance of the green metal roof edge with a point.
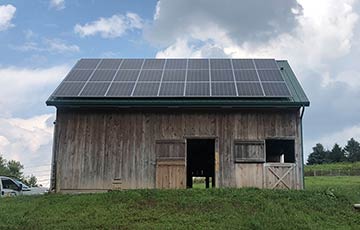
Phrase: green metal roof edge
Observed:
(292, 82)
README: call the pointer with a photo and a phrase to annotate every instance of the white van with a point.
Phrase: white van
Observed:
(9, 187)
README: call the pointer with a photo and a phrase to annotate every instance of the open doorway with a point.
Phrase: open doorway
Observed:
(200, 162)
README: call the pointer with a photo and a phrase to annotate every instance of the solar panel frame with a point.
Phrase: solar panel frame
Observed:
(146, 89)
(198, 64)
(198, 75)
(102, 75)
(120, 89)
(78, 75)
(88, 63)
(218, 64)
(246, 75)
(172, 89)
(154, 64)
(204, 77)
(108, 64)
(276, 89)
(200, 89)
(243, 64)
(176, 64)
(66, 89)
(95, 89)
(222, 75)
(223, 89)
(126, 75)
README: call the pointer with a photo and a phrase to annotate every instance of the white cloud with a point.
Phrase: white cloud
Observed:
(22, 90)
(57, 4)
(115, 26)
(7, 13)
(47, 45)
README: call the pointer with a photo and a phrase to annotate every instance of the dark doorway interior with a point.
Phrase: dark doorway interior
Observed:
(282, 151)
(200, 161)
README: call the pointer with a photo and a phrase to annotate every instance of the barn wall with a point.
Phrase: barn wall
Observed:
(96, 148)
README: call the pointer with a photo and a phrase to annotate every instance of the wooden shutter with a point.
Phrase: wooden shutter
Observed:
(249, 151)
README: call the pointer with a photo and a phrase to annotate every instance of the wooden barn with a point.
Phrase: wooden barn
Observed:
(160, 123)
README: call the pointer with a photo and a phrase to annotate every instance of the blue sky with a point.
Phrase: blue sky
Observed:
(41, 39)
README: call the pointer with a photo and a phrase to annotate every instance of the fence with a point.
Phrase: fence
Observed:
(333, 172)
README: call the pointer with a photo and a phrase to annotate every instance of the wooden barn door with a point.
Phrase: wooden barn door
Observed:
(280, 175)
(170, 164)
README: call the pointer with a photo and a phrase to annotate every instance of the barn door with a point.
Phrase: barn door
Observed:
(170, 164)
(280, 175)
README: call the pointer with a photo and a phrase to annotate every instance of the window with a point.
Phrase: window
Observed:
(9, 184)
(249, 151)
(280, 150)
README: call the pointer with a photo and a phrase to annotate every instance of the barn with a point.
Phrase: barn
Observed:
(160, 123)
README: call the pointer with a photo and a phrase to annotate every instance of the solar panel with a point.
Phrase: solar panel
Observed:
(154, 64)
(78, 75)
(243, 64)
(265, 64)
(220, 64)
(198, 75)
(249, 89)
(174, 75)
(132, 64)
(87, 64)
(171, 77)
(176, 64)
(172, 89)
(110, 64)
(270, 75)
(222, 75)
(150, 75)
(276, 89)
(223, 89)
(103, 75)
(146, 89)
(197, 89)
(246, 75)
(198, 64)
(120, 89)
(127, 75)
(95, 89)
(69, 89)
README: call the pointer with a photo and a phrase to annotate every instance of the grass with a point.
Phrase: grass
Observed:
(333, 166)
(325, 204)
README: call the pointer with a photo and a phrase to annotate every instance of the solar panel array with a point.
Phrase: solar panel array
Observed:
(174, 78)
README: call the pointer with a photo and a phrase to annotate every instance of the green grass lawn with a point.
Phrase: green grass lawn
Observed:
(325, 204)
(333, 166)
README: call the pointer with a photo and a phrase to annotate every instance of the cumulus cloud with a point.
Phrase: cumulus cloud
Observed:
(7, 13)
(22, 89)
(242, 20)
(115, 26)
(57, 4)
(319, 38)
(47, 45)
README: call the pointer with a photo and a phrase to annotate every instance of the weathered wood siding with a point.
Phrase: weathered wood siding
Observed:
(95, 147)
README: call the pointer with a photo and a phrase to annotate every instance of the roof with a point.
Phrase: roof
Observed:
(294, 96)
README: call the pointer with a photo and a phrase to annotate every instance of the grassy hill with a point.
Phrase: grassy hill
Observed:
(334, 166)
(325, 204)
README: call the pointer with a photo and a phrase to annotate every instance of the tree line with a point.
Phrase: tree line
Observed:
(349, 153)
(14, 169)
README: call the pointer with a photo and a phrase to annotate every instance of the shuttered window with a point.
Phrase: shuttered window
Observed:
(249, 151)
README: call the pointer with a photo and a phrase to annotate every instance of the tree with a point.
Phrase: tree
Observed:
(337, 154)
(318, 156)
(353, 150)
(14, 169)
(31, 181)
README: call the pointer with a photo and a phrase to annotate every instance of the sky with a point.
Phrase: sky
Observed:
(40, 40)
